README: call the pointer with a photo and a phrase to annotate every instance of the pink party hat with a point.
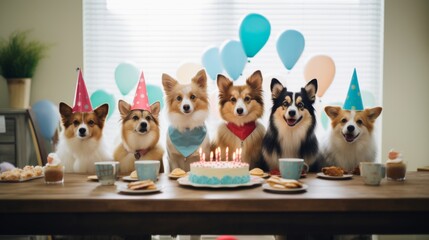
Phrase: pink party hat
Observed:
(82, 102)
(141, 100)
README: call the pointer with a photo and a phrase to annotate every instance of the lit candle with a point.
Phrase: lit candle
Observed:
(204, 157)
(201, 155)
(226, 154)
(234, 156)
(211, 156)
(239, 154)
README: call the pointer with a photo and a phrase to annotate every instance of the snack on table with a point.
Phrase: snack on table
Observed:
(281, 183)
(257, 172)
(140, 185)
(54, 171)
(17, 174)
(333, 171)
(395, 166)
(177, 172)
(133, 174)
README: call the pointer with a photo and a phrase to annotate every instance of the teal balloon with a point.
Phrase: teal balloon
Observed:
(47, 117)
(100, 97)
(155, 94)
(233, 58)
(324, 119)
(254, 32)
(126, 77)
(368, 99)
(290, 46)
(212, 63)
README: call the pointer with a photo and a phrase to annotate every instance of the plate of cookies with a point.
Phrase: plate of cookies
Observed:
(177, 173)
(22, 175)
(334, 172)
(137, 187)
(278, 184)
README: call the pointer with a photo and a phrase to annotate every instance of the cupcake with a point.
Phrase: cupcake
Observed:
(54, 171)
(395, 166)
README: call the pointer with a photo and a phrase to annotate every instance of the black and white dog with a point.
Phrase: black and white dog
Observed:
(292, 124)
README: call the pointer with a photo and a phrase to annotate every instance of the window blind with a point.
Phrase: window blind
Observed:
(161, 35)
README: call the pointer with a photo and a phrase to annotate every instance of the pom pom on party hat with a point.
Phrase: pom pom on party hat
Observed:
(141, 100)
(82, 102)
(354, 97)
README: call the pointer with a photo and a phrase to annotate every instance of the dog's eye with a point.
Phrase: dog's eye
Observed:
(148, 118)
(300, 105)
(135, 118)
(179, 98)
(91, 123)
(343, 120)
(359, 122)
(76, 122)
(233, 99)
(193, 97)
(247, 98)
(286, 104)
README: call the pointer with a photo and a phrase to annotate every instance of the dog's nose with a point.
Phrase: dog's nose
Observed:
(292, 113)
(186, 107)
(350, 128)
(143, 125)
(82, 131)
(240, 110)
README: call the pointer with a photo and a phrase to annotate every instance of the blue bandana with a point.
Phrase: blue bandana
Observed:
(189, 141)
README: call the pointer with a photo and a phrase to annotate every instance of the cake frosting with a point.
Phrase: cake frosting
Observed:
(219, 173)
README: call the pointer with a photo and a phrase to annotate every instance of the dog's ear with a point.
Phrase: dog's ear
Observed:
(102, 111)
(311, 89)
(373, 113)
(66, 111)
(168, 82)
(332, 111)
(276, 88)
(255, 80)
(124, 108)
(155, 108)
(223, 83)
(200, 79)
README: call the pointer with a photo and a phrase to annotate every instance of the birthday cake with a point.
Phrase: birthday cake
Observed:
(219, 172)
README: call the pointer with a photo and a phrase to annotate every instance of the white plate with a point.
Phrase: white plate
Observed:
(345, 176)
(267, 187)
(129, 179)
(124, 189)
(253, 181)
(22, 179)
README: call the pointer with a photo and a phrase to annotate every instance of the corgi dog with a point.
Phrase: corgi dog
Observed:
(291, 130)
(351, 138)
(140, 135)
(241, 107)
(187, 111)
(80, 142)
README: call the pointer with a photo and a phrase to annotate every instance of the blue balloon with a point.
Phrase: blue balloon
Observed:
(47, 117)
(233, 58)
(211, 62)
(254, 32)
(100, 97)
(126, 77)
(290, 46)
(155, 93)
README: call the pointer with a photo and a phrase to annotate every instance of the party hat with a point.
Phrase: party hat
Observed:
(141, 100)
(354, 98)
(82, 102)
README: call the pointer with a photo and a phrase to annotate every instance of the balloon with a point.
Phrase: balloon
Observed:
(211, 62)
(100, 97)
(368, 99)
(254, 32)
(155, 94)
(322, 68)
(290, 45)
(187, 71)
(126, 77)
(47, 117)
(233, 58)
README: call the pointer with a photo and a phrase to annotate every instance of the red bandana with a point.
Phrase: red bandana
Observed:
(242, 132)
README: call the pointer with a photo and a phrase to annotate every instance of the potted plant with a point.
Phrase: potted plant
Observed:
(19, 58)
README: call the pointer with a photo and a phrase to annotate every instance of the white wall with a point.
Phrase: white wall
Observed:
(406, 64)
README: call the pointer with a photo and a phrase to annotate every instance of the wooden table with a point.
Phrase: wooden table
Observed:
(328, 206)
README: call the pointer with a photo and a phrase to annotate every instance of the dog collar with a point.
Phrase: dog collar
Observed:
(189, 141)
(242, 132)
(140, 152)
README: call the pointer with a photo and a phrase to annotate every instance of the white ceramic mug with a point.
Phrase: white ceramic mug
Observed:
(372, 173)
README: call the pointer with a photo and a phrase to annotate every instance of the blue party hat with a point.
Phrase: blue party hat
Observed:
(354, 98)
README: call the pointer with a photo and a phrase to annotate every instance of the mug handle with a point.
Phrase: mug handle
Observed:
(304, 168)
